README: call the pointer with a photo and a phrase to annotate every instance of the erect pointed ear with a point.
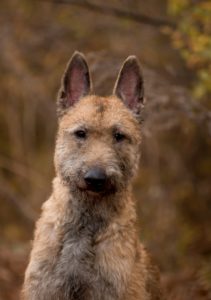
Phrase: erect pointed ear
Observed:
(76, 82)
(129, 85)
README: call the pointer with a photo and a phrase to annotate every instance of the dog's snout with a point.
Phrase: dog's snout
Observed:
(95, 179)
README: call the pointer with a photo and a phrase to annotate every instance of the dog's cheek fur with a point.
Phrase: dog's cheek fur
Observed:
(66, 158)
(128, 161)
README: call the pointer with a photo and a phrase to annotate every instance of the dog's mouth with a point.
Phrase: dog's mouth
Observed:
(97, 188)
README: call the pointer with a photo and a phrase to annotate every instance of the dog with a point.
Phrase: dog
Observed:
(86, 244)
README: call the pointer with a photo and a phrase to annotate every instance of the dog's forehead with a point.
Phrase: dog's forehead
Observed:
(99, 112)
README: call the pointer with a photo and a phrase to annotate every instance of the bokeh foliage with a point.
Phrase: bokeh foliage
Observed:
(192, 37)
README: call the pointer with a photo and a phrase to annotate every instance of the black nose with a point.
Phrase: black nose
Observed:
(95, 179)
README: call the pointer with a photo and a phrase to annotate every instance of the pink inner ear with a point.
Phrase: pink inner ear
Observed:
(77, 86)
(128, 88)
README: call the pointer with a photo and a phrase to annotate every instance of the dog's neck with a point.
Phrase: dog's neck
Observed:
(93, 212)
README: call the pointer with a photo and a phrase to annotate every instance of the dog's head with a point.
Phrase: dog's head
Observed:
(98, 143)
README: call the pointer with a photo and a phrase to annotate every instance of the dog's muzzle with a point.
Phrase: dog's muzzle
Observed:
(96, 180)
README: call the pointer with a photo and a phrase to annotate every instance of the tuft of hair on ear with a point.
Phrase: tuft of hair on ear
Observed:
(75, 83)
(129, 86)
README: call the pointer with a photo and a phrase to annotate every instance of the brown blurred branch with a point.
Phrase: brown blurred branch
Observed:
(22, 170)
(19, 203)
(114, 11)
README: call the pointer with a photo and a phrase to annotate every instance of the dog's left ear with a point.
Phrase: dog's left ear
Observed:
(129, 86)
(76, 82)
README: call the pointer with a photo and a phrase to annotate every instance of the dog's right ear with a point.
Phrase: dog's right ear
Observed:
(76, 82)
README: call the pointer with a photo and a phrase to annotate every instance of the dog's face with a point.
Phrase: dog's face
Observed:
(98, 143)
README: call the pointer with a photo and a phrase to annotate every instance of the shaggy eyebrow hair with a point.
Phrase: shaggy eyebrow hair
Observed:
(113, 128)
(76, 127)
(121, 128)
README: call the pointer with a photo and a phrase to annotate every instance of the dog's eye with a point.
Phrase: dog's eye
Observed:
(119, 136)
(80, 134)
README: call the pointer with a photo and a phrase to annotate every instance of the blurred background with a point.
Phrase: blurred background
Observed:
(172, 39)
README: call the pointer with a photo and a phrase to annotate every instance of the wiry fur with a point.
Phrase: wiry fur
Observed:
(86, 246)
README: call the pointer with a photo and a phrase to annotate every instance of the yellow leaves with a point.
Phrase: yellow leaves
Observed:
(201, 42)
(176, 6)
(204, 85)
(193, 39)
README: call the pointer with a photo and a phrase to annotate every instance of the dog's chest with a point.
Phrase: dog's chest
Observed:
(75, 268)
(78, 272)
